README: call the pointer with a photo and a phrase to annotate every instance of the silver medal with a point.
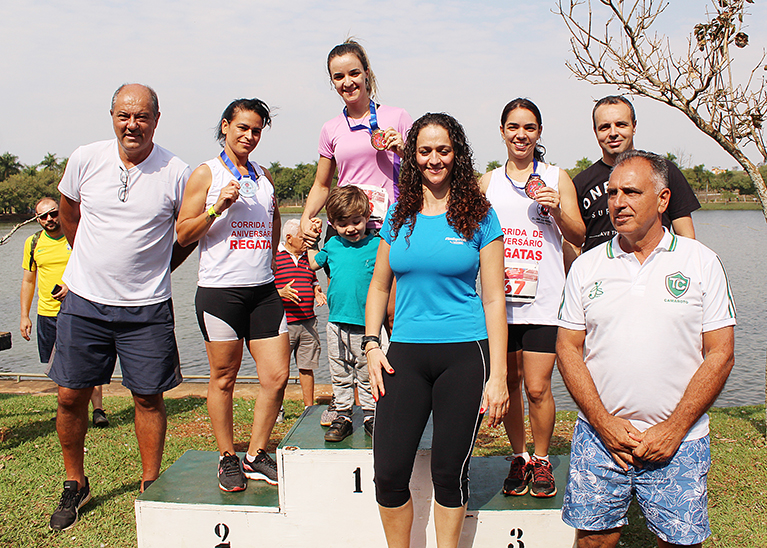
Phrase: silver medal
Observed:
(247, 187)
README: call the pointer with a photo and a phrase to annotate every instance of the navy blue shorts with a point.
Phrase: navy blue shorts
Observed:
(46, 336)
(532, 338)
(91, 336)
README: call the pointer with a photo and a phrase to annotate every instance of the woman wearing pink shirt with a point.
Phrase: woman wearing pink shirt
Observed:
(364, 142)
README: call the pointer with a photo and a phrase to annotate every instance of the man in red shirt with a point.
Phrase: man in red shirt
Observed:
(298, 286)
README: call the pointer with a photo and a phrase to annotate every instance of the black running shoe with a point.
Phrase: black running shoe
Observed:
(230, 476)
(100, 419)
(516, 482)
(262, 467)
(72, 499)
(339, 430)
(543, 479)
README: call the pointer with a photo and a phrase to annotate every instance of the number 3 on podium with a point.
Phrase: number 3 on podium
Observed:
(516, 534)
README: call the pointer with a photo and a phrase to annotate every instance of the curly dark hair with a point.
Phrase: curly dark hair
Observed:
(466, 205)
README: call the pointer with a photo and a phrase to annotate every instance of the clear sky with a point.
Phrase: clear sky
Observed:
(62, 60)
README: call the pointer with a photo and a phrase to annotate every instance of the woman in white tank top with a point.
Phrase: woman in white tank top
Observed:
(229, 207)
(537, 205)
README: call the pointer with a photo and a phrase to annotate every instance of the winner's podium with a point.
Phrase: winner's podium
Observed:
(326, 498)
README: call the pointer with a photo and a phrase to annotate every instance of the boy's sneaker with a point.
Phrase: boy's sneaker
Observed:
(519, 476)
(329, 414)
(72, 499)
(100, 419)
(230, 476)
(262, 467)
(340, 429)
(543, 478)
(368, 424)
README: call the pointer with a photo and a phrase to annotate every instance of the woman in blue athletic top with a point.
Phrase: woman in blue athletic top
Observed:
(448, 343)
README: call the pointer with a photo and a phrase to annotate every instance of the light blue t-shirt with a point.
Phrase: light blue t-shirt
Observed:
(351, 267)
(436, 275)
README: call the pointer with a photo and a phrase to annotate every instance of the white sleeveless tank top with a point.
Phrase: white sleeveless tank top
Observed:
(531, 241)
(237, 249)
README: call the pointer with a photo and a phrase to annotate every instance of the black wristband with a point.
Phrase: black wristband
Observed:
(370, 338)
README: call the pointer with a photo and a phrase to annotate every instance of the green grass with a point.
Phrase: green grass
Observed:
(291, 209)
(32, 472)
(734, 206)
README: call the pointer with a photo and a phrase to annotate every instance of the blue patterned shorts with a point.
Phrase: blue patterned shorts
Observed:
(673, 495)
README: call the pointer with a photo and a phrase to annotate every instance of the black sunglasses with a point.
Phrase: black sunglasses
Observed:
(52, 214)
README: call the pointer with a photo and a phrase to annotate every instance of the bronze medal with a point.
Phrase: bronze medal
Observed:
(534, 184)
(378, 139)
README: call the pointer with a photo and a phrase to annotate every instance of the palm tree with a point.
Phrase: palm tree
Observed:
(9, 165)
(49, 162)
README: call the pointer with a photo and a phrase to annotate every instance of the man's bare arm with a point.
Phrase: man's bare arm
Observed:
(69, 214)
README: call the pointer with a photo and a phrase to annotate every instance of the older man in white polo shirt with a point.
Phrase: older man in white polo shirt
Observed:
(645, 345)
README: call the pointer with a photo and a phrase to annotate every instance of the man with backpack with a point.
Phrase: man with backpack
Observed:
(46, 254)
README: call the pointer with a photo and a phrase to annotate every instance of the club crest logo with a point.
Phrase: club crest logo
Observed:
(677, 284)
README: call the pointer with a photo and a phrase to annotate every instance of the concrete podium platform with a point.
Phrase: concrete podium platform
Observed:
(326, 497)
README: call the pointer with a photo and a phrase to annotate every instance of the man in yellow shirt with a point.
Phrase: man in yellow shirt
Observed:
(45, 257)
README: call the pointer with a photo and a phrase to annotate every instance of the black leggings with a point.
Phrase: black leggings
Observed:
(447, 380)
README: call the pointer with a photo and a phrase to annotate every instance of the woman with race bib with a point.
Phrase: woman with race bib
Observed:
(364, 142)
(537, 205)
(229, 207)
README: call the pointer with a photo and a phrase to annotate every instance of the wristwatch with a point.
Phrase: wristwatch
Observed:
(370, 338)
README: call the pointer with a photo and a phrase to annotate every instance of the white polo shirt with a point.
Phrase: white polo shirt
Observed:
(644, 323)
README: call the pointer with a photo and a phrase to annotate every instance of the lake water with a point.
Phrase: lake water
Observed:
(739, 237)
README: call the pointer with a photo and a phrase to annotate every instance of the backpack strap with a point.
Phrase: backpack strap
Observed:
(33, 245)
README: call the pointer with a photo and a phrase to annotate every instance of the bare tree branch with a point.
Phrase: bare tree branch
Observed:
(697, 82)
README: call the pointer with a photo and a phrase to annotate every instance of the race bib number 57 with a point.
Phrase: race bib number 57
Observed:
(521, 281)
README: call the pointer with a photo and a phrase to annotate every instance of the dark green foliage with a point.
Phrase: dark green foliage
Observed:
(22, 186)
(292, 184)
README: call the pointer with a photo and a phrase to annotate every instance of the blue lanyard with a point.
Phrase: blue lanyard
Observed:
(234, 170)
(535, 168)
(373, 120)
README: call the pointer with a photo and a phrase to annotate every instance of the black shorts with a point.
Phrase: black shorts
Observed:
(234, 313)
(533, 338)
(46, 336)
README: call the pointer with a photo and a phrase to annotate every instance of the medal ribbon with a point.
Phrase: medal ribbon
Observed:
(535, 168)
(373, 120)
(235, 171)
